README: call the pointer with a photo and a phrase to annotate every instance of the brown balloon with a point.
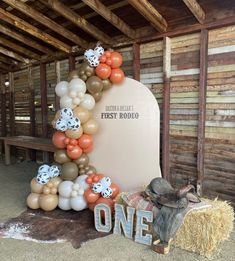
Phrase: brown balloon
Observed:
(48, 202)
(83, 114)
(85, 71)
(90, 127)
(61, 157)
(106, 84)
(74, 134)
(72, 75)
(33, 200)
(82, 160)
(94, 84)
(69, 171)
(90, 170)
(35, 186)
(97, 96)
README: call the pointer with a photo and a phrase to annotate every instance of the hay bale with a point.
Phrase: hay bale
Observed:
(203, 230)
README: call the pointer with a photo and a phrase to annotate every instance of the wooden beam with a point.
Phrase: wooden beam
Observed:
(3, 107)
(196, 10)
(25, 40)
(79, 21)
(34, 31)
(13, 55)
(202, 109)
(11, 104)
(5, 67)
(166, 108)
(136, 61)
(57, 73)
(104, 11)
(150, 13)
(31, 109)
(43, 88)
(39, 17)
(71, 63)
(8, 61)
(18, 48)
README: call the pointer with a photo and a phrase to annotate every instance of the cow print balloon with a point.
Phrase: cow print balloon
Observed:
(43, 169)
(54, 171)
(61, 124)
(43, 178)
(99, 50)
(94, 61)
(107, 193)
(66, 113)
(74, 123)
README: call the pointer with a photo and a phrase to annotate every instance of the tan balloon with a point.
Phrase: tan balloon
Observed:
(90, 127)
(83, 114)
(82, 160)
(57, 115)
(61, 157)
(73, 74)
(106, 84)
(35, 187)
(48, 202)
(56, 182)
(69, 171)
(74, 134)
(33, 200)
(46, 190)
(54, 191)
(97, 96)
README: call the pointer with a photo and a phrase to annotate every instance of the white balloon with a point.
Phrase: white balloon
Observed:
(61, 88)
(76, 101)
(66, 102)
(88, 102)
(72, 94)
(64, 203)
(78, 203)
(65, 188)
(77, 85)
(81, 180)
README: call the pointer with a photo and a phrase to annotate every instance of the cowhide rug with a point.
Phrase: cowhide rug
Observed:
(51, 227)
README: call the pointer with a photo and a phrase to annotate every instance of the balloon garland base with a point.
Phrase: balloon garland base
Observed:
(76, 227)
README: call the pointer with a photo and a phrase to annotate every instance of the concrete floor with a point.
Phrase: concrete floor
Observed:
(14, 187)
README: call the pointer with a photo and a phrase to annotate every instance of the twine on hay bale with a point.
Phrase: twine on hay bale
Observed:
(203, 230)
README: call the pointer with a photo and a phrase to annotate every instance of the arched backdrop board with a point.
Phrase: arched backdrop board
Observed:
(126, 147)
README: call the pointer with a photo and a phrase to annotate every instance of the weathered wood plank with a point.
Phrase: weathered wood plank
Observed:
(13, 55)
(136, 62)
(196, 10)
(43, 88)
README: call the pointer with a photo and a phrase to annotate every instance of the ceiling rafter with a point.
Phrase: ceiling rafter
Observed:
(79, 21)
(25, 40)
(7, 60)
(102, 10)
(149, 12)
(39, 17)
(13, 55)
(19, 48)
(196, 10)
(34, 31)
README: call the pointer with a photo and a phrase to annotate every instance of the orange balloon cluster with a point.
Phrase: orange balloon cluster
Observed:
(93, 198)
(75, 147)
(109, 67)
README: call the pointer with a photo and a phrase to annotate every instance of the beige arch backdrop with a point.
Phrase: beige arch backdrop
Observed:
(127, 143)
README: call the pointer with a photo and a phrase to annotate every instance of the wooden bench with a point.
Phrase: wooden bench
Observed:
(27, 142)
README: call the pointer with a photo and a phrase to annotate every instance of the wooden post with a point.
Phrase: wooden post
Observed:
(166, 107)
(136, 62)
(31, 109)
(57, 73)
(3, 107)
(202, 109)
(71, 62)
(43, 87)
(11, 104)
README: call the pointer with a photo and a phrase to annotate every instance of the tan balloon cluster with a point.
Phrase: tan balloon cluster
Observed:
(44, 196)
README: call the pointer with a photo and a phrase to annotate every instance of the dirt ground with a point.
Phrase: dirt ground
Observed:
(14, 186)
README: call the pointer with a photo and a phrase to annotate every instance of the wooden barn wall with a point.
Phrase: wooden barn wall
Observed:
(184, 86)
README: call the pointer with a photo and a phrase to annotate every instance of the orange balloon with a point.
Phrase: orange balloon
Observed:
(73, 142)
(74, 153)
(58, 139)
(116, 60)
(107, 201)
(103, 58)
(115, 189)
(117, 76)
(103, 71)
(85, 141)
(107, 54)
(90, 196)
(89, 149)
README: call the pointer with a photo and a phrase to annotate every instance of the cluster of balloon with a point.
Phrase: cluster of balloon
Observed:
(44, 189)
(74, 184)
